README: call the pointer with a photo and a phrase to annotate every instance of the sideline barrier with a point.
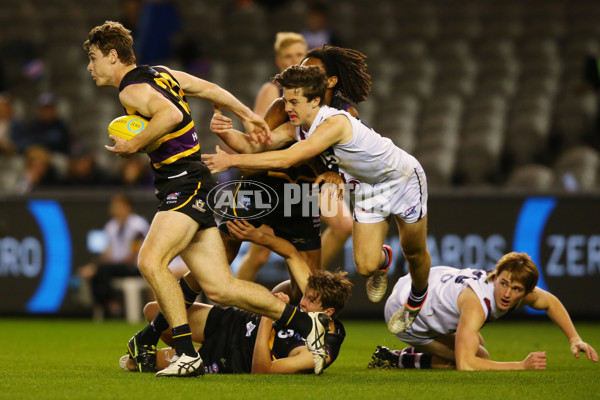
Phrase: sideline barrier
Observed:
(43, 239)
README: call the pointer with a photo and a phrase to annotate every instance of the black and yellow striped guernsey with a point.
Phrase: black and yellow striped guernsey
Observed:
(181, 146)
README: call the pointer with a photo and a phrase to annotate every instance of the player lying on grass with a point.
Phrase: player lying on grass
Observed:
(445, 334)
(237, 341)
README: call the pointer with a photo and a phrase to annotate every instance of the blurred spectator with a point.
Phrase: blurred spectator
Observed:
(38, 171)
(318, 31)
(290, 49)
(48, 129)
(125, 232)
(157, 28)
(190, 53)
(136, 172)
(10, 126)
(591, 76)
(83, 170)
(130, 14)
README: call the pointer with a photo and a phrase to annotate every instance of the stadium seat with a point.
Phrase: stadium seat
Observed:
(577, 169)
(528, 177)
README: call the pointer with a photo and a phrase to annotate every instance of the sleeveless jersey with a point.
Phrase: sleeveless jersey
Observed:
(367, 157)
(440, 313)
(285, 340)
(179, 150)
(230, 335)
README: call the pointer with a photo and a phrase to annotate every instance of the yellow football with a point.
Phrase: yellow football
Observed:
(127, 126)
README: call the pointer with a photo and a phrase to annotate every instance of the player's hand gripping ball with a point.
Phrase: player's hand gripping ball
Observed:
(127, 126)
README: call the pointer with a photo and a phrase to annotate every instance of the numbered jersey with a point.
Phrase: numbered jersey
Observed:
(440, 313)
(367, 158)
(180, 146)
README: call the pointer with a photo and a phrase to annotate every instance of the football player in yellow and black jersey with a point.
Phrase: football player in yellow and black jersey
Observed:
(183, 224)
(236, 341)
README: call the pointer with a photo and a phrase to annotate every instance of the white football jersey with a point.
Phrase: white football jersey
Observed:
(440, 314)
(368, 157)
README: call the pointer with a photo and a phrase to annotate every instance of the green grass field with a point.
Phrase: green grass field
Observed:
(76, 359)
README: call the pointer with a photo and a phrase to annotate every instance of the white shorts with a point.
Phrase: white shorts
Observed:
(405, 197)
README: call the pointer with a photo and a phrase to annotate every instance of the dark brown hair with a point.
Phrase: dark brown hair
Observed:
(112, 35)
(520, 267)
(333, 288)
(311, 79)
(349, 66)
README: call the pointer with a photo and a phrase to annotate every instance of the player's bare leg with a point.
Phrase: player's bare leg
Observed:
(413, 239)
(370, 258)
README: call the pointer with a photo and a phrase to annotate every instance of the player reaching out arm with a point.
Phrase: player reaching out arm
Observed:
(466, 300)
(375, 166)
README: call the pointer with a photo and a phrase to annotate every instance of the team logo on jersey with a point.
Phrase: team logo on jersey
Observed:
(199, 205)
(173, 196)
(410, 211)
(249, 328)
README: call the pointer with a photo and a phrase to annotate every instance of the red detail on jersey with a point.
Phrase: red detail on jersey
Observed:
(488, 304)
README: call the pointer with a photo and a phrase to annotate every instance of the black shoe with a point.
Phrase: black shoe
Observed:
(144, 355)
(384, 358)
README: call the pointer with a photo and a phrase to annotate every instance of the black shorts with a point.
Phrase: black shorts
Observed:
(304, 232)
(229, 337)
(188, 194)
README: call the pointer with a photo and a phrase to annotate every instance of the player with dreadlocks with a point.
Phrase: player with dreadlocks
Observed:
(348, 82)
(386, 181)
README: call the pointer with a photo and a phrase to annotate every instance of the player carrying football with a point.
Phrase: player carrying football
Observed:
(184, 224)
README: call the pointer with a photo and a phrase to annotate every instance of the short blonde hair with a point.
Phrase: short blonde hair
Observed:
(520, 267)
(285, 39)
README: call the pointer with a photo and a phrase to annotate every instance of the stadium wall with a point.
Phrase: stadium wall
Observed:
(44, 238)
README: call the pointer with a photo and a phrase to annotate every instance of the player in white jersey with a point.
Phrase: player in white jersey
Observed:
(445, 334)
(386, 181)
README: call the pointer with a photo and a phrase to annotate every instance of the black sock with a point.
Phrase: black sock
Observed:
(415, 361)
(182, 335)
(417, 298)
(189, 294)
(151, 333)
(295, 319)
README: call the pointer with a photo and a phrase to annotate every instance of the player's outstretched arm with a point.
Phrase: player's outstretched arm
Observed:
(255, 126)
(471, 320)
(330, 132)
(242, 230)
(222, 126)
(540, 299)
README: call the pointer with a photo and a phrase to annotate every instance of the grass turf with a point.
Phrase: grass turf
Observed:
(76, 359)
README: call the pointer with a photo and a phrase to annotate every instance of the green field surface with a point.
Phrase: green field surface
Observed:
(78, 359)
